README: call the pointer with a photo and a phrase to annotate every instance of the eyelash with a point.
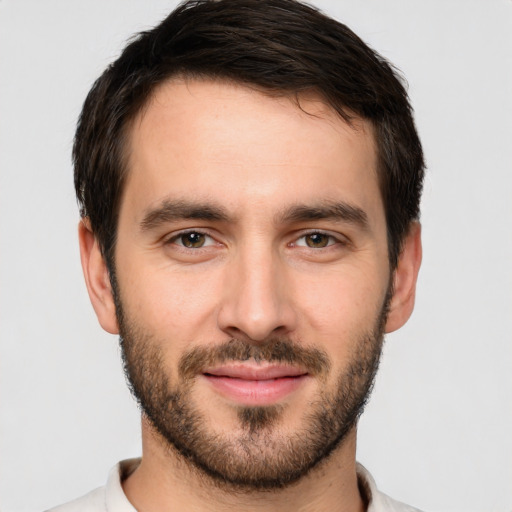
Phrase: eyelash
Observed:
(331, 240)
(174, 238)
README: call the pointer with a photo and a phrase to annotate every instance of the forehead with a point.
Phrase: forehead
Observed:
(218, 140)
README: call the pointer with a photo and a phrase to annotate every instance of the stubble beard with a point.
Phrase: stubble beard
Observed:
(259, 455)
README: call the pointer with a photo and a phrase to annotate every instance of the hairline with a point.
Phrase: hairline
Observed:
(351, 119)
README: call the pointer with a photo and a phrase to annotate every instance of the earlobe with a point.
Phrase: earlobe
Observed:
(404, 280)
(97, 278)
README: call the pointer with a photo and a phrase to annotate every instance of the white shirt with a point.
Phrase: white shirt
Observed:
(111, 497)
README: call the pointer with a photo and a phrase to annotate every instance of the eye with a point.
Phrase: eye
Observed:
(316, 240)
(192, 240)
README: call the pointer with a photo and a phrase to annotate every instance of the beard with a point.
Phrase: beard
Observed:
(260, 454)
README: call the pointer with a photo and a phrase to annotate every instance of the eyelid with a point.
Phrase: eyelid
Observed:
(336, 238)
(173, 237)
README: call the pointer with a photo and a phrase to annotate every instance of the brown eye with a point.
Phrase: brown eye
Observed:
(317, 240)
(192, 240)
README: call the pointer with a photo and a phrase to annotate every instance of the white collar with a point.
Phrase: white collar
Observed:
(116, 500)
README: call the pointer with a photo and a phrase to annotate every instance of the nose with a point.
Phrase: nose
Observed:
(257, 297)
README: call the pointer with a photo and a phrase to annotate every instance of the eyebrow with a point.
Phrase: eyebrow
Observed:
(175, 210)
(340, 211)
(169, 211)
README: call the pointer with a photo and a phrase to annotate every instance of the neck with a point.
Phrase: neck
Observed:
(164, 481)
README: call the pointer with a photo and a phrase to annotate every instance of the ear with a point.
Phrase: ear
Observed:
(404, 280)
(97, 278)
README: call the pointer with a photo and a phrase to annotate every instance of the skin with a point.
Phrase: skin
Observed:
(256, 157)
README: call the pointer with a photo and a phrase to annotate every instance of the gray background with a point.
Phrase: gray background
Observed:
(438, 430)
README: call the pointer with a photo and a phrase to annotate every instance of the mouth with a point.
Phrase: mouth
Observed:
(255, 384)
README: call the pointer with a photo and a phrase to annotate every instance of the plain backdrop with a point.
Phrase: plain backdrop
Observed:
(438, 430)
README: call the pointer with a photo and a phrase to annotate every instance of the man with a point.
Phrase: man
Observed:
(249, 175)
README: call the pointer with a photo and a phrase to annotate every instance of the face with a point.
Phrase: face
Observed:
(251, 276)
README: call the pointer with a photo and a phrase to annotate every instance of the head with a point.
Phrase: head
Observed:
(249, 174)
(282, 47)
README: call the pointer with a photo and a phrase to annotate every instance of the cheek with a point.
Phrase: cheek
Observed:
(171, 305)
(171, 314)
(343, 306)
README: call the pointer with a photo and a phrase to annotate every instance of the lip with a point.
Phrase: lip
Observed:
(252, 384)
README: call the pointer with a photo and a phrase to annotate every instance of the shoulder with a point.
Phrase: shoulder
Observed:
(109, 498)
(384, 503)
(94, 501)
(378, 501)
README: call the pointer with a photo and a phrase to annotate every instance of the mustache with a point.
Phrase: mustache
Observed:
(314, 361)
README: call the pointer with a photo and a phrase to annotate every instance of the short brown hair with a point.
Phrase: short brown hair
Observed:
(280, 46)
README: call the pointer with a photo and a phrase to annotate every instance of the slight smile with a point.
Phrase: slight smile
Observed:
(253, 384)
